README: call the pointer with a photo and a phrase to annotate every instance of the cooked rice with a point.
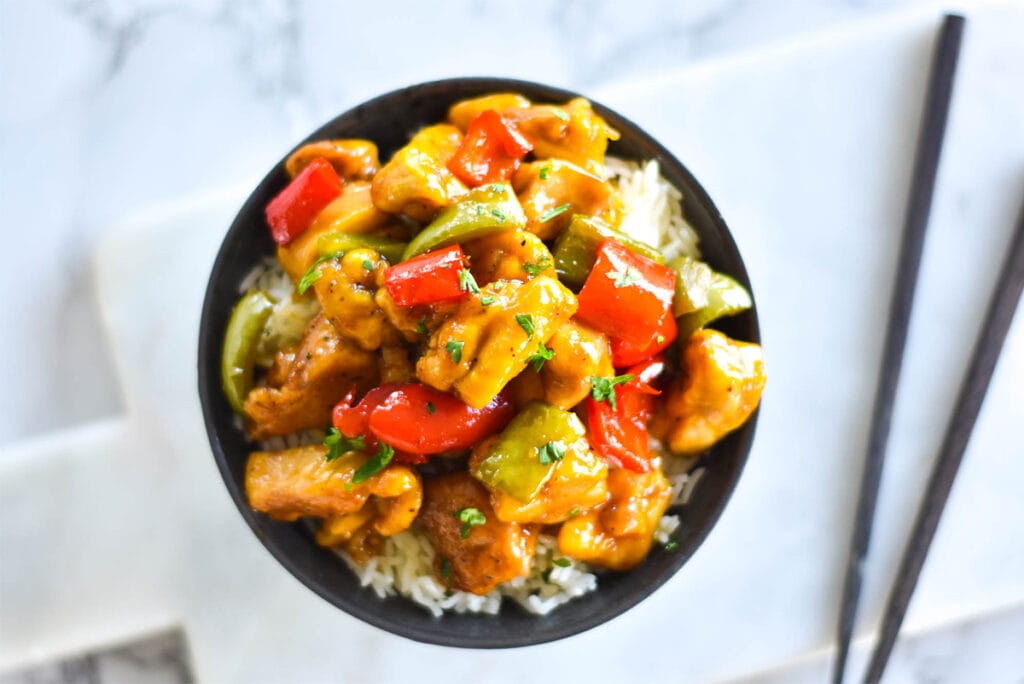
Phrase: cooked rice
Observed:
(405, 564)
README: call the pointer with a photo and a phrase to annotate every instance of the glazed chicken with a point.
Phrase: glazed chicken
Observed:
(308, 381)
(346, 289)
(508, 255)
(480, 556)
(554, 191)
(416, 181)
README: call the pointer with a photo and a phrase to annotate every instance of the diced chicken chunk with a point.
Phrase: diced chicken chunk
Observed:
(346, 290)
(618, 535)
(462, 113)
(314, 377)
(508, 255)
(416, 181)
(580, 353)
(577, 484)
(480, 348)
(720, 387)
(488, 554)
(353, 159)
(552, 191)
(351, 212)
(573, 132)
(300, 482)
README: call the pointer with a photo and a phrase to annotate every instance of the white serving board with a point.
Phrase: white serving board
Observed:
(125, 526)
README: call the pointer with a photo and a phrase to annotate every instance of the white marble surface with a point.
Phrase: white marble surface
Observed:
(158, 100)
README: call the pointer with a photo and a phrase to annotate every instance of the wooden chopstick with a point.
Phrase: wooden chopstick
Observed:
(926, 165)
(958, 432)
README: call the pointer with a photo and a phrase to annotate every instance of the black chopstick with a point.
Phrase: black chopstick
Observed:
(968, 404)
(926, 164)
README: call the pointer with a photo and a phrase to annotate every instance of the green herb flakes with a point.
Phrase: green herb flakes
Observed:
(557, 211)
(454, 347)
(421, 327)
(551, 452)
(660, 339)
(446, 570)
(671, 545)
(574, 512)
(467, 283)
(562, 562)
(540, 356)
(545, 171)
(533, 270)
(470, 518)
(313, 272)
(338, 444)
(603, 389)
(560, 113)
(525, 322)
(499, 214)
(367, 264)
(376, 463)
(625, 277)
(431, 409)
(487, 300)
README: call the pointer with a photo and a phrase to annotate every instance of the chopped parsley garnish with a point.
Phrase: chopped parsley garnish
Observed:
(525, 322)
(557, 211)
(446, 570)
(467, 283)
(540, 356)
(574, 512)
(470, 518)
(313, 273)
(498, 285)
(421, 327)
(367, 264)
(603, 389)
(545, 171)
(671, 545)
(628, 276)
(551, 452)
(487, 300)
(499, 214)
(338, 444)
(376, 463)
(309, 355)
(454, 347)
(560, 113)
(533, 270)
(561, 562)
(431, 409)
(546, 575)
(661, 339)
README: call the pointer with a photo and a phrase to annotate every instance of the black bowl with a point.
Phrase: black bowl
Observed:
(389, 120)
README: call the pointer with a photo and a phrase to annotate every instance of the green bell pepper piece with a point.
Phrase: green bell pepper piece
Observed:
(514, 464)
(576, 249)
(482, 211)
(339, 243)
(245, 326)
(726, 297)
(693, 281)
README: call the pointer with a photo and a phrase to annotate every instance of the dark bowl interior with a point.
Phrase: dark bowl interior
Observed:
(389, 120)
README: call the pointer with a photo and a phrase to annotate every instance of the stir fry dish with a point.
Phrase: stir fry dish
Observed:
(470, 344)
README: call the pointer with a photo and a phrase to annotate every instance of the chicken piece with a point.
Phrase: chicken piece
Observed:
(413, 322)
(618, 535)
(577, 484)
(300, 482)
(719, 388)
(395, 365)
(480, 348)
(545, 186)
(316, 375)
(416, 181)
(353, 159)
(580, 353)
(488, 554)
(346, 290)
(462, 113)
(573, 132)
(508, 255)
(351, 212)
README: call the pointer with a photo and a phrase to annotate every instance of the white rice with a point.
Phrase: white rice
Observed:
(653, 210)
(405, 564)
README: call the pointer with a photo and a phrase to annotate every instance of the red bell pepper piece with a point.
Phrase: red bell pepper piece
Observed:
(294, 208)
(628, 296)
(422, 420)
(353, 420)
(427, 279)
(627, 354)
(490, 151)
(620, 434)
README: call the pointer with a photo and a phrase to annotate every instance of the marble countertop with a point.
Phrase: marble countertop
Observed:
(110, 107)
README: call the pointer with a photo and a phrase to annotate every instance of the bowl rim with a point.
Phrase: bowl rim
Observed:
(208, 347)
